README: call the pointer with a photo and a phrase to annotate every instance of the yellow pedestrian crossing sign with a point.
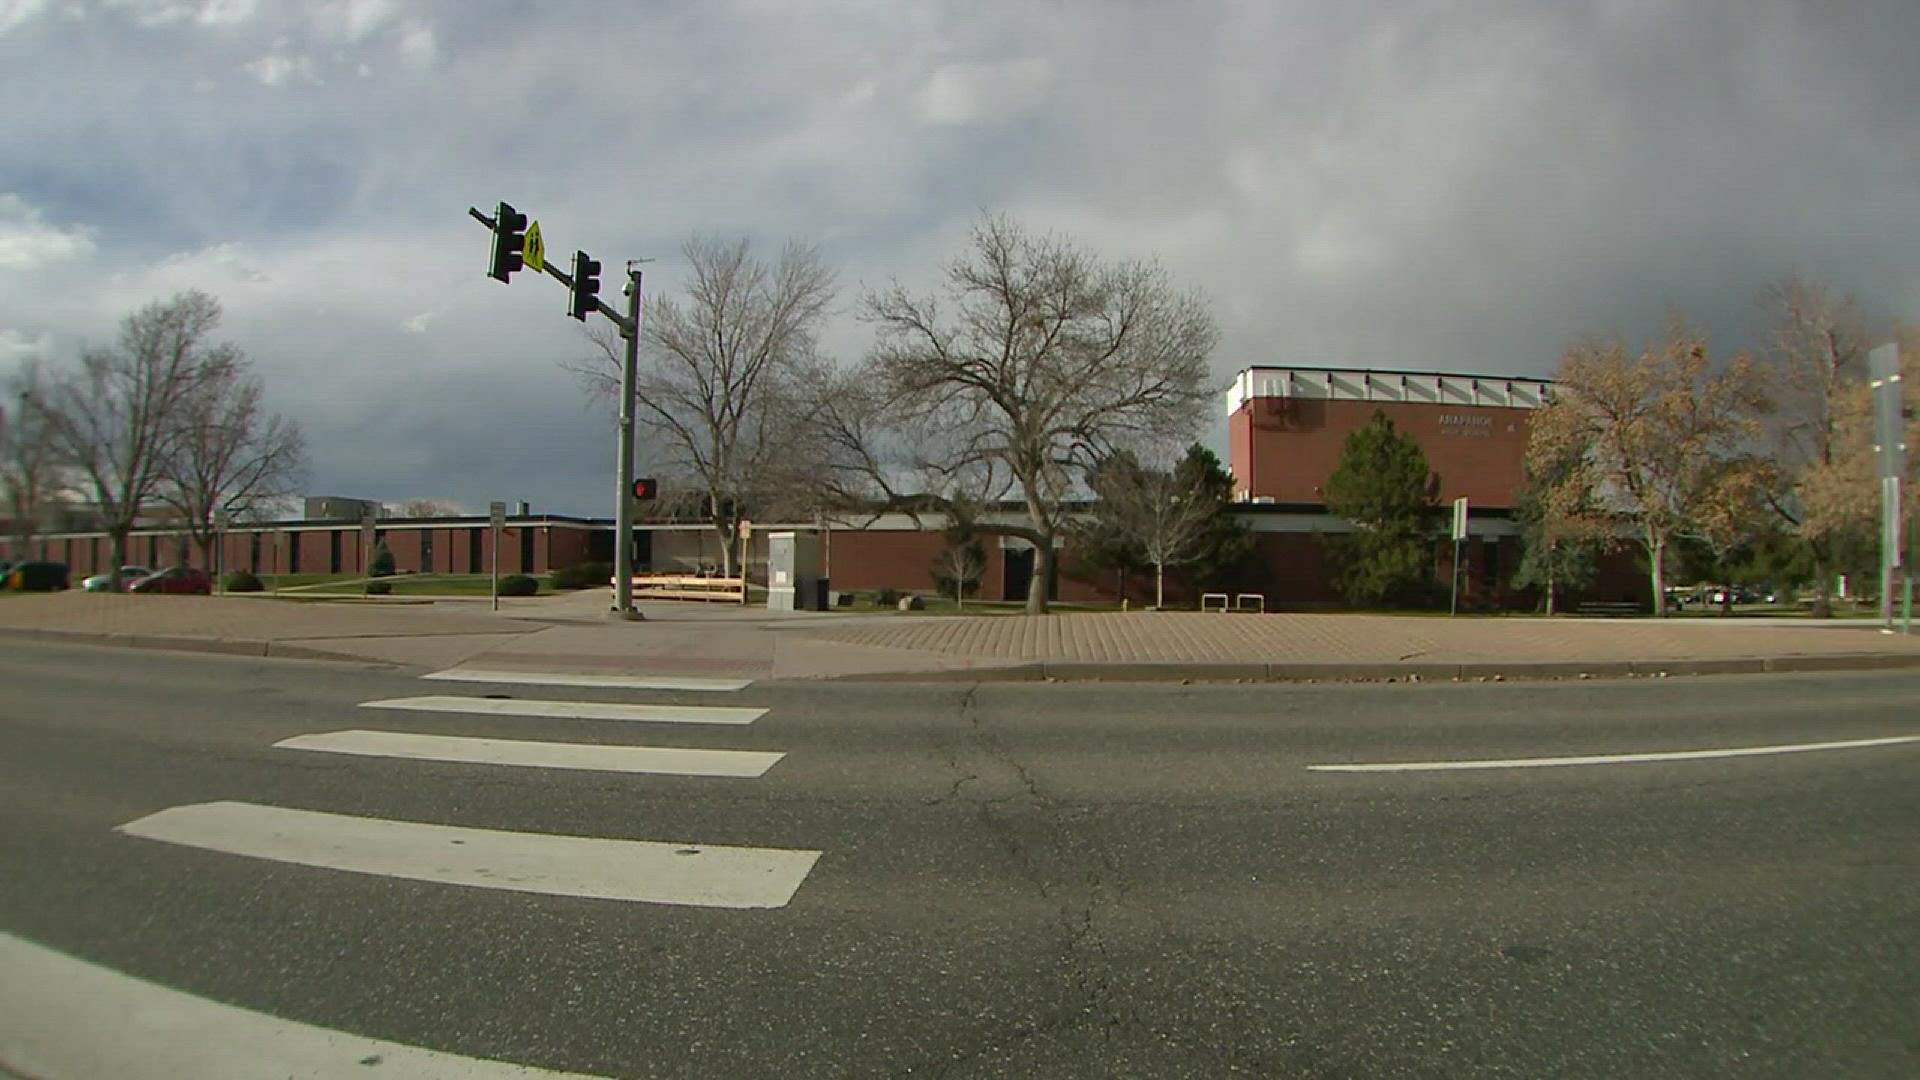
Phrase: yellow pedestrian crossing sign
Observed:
(535, 252)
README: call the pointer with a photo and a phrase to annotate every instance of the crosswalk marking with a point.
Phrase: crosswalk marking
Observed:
(67, 1018)
(663, 760)
(644, 871)
(574, 710)
(607, 682)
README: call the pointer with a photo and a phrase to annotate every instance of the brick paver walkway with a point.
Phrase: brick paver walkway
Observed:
(1191, 637)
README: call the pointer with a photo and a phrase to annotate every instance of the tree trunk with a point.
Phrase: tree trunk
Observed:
(117, 548)
(1550, 577)
(1042, 573)
(1657, 570)
(1822, 585)
(1159, 586)
(728, 533)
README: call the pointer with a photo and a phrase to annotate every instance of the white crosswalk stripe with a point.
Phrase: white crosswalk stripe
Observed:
(632, 870)
(573, 710)
(66, 1019)
(602, 682)
(659, 760)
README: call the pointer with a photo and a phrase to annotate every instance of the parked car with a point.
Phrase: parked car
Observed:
(104, 582)
(37, 577)
(175, 579)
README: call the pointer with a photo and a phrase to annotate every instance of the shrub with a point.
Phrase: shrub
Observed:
(241, 581)
(382, 563)
(38, 577)
(379, 588)
(584, 575)
(887, 597)
(518, 585)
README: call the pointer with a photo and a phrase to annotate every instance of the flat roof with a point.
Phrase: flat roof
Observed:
(1361, 369)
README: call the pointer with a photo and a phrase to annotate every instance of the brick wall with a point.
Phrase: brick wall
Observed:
(1287, 448)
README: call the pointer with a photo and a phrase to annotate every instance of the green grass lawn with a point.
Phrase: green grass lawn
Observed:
(423, 585)
(295, 581)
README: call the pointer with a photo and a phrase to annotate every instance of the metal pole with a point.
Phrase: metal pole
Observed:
(1906, 603)
(1889, 546)
(623, 461)
(1453, 608)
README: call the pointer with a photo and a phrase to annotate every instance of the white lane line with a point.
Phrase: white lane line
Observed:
(1615, 759)
(644, 871)
(608, 682)
(661, 760)
(64, 1018)
(574, 710)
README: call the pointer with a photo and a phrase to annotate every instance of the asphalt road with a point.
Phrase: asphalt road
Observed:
(1023, 880)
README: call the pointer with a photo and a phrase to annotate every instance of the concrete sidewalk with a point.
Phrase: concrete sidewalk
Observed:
(572, 632)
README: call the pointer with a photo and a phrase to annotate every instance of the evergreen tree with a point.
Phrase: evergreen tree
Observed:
(381, 565)
(1384, 486)
(1224, 561)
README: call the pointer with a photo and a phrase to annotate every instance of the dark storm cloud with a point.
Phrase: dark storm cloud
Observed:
(1464, 186)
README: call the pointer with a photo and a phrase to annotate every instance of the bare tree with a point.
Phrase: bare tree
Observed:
(427, 508)
(117, 420)
(1047, 360)
(1815, 359)
(720, 369)
(29, 462)
(1660, 429)
(1165, 513)
(961, 561)
(228, 456)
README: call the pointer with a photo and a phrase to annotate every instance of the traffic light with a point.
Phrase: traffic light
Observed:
(586, 285)
(646, 489)
(509, 240)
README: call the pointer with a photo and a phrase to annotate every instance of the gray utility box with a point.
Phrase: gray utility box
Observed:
(793, 573)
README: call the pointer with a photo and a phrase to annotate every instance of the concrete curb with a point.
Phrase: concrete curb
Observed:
(1427, 671)
(257, 647)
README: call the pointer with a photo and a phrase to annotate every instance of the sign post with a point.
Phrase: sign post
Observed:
(366, 541)
(746, 550)
(1459, 539)
(1890, 446)
(219, 559)
(497, 512)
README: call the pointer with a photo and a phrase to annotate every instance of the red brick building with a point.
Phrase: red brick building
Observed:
(1287, 427)
(1286, 430)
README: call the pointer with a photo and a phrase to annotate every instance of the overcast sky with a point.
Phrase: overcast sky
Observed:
(1423, 185)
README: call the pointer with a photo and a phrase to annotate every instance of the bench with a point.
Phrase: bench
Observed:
(1610, 607)
(731, 590)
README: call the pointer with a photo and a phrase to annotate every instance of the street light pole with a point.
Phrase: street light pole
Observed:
(623, 466)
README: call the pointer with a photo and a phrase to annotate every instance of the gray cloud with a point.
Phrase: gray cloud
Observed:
(1461, 186)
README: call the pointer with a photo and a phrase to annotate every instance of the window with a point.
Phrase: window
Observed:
(475, 542)
(333, 553)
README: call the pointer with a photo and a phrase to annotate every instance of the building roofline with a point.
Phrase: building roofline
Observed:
(1361, 369)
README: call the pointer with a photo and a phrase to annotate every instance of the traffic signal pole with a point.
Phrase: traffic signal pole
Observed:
(584, 287)
(623, 466)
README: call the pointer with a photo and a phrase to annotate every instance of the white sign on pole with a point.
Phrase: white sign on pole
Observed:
(498, 512)
(1460, 518)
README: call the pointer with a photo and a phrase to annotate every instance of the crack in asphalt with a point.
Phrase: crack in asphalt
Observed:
(1081, 953)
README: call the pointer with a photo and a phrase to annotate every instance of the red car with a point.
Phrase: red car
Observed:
(175, 579)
